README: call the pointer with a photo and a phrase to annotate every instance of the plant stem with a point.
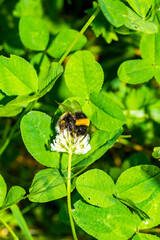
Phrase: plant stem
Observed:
(125, 136)
(9, 229)
(69, 196)
(80, 34)
(6, 129)
(4, 146)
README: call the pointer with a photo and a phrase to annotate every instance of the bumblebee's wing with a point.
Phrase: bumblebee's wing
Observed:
(64, 107)
(72, 106)
(75, 106)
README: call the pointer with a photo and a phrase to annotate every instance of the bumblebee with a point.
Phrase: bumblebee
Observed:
(74, 120)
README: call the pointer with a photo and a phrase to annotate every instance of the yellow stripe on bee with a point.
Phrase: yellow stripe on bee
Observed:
(82, 121)
(62, 121)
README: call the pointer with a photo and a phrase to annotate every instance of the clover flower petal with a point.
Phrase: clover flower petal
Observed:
(64, 142)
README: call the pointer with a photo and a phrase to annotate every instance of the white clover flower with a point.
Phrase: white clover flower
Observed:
(64, 142)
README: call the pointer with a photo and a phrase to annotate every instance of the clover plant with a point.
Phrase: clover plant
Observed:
(106, 71)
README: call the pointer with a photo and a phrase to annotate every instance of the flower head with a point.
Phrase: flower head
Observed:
(65, 142)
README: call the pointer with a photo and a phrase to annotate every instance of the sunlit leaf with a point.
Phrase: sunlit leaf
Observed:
(33, 33)
(135, 22)
(63, 40)
(139, 71)
(104, 113)
(97, 188)
(28, 8)
(142, 7)
(41, 63)
(135, 71)
(7, 111)
(37, 133)
(150, 49)
(144, 236)
(15, 106)
(83, 74)
(17, 76)
(154, 111)
(3, 190)
(114, 11)
(102, 27)
(47, 185)
(100, 143)
(115, 222)
(151, 206)
(138, 183)
(14, 195)
(46, 84)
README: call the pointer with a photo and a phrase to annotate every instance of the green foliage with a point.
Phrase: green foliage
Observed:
(136, 188)
(154, 110)
(139, 71)
(140, 23)
(135, 159)
(62, 41)
(141, 182)
(46, 84)
(90, 186)
(14, 195)
(28, 7)
(22, 84)
(114, 11)
(21, 221)
(156, 152)
(10, 111)
(114, 222)
(41, 63)
(151, 207)
(101, 27)
(136, 15)
(15, 106)
(3, 190)
(37, 38)
(139, 98)
(47, 185)
(36, 133)
(100, 142)
(24, 79)
(135, 71)
(105, 114)
(142, 236)
(30, 37)
(83, 74)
